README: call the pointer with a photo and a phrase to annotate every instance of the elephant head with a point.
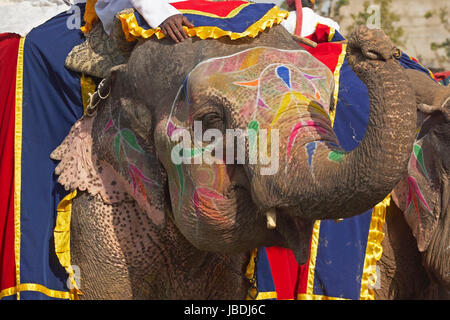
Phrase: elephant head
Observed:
(236, 109)
(423, 193)
(267, 93)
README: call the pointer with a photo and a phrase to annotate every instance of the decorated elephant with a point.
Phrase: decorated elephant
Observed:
(169, 218)
(417, 225)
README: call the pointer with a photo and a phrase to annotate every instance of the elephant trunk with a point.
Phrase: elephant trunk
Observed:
(347, 184)
(366, 175)
(427, 90)
(372, 170)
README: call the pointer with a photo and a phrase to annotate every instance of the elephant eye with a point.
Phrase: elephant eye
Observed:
(212, 120)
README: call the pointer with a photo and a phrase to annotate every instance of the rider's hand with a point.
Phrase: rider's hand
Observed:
(173, 27)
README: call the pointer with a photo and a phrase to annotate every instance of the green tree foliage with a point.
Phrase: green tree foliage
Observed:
(444, 46)
(335, 9)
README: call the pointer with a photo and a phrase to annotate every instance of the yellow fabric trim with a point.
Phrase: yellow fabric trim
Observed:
(331, 34)
(337, 72)
(374, 249)
(132, 30)
(87, 88)
(312, 257)
(305, 296)
(18, 159)
(38, 288)
(266, 295)
(232, 13)
(90, 16)
(249, 272)
(61, 234)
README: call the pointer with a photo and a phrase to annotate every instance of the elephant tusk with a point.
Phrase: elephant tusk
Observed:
(305, 41)
(271, 216)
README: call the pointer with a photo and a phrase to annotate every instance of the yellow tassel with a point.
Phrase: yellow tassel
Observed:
(90, 16)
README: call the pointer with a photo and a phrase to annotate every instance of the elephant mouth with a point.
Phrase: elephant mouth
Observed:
(250, 226)
(295, 232)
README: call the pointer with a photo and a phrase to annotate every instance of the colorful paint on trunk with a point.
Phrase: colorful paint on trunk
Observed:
(336, 156)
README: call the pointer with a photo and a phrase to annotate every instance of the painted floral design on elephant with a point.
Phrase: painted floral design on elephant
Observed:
(129, 154)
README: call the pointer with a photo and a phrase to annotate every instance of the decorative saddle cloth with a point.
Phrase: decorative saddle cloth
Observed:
(40, 100)
(236, 19)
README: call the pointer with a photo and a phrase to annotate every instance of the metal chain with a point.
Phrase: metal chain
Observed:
(253, 281)
(97, 97)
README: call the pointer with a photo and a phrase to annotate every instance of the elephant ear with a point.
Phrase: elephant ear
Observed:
(111, 154)
(80, 169)
(423, 194)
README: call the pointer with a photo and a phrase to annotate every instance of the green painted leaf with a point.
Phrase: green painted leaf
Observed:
(131, 140)
(180, 179)
(336, 155)
(419, 156)
(254, 125)
(117, 146)
(252, 130)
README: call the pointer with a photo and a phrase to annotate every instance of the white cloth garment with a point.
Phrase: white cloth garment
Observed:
(310, 20)
(153, 11)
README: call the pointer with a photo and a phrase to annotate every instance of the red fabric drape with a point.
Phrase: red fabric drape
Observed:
(9, 44)
(442, 75)
(285, 272)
